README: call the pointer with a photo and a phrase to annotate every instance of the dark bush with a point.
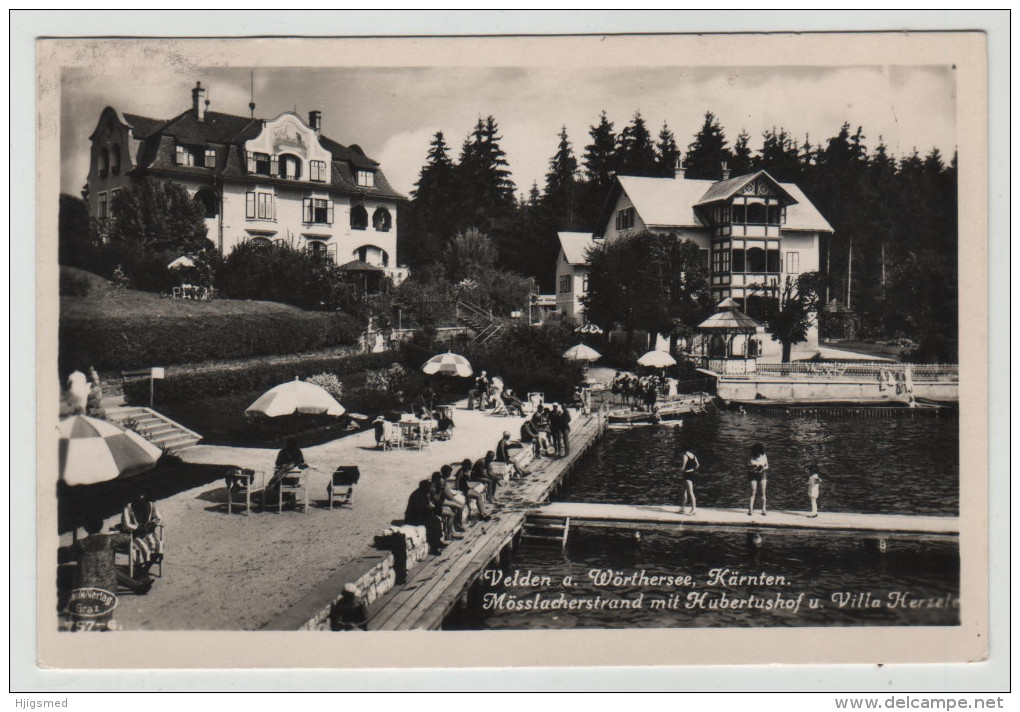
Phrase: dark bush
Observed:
(194, 386)
(115, 343)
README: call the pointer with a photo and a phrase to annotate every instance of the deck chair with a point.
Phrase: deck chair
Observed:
(241, 485)
(132, 548)
(341, 487)
(498, 407)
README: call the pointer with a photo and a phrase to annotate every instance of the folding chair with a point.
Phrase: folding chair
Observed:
(341, 487)
(393, 436)
(425, 430)
(241, 485)
(292, 483)
(536, 399)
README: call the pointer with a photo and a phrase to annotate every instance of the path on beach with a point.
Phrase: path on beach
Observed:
(237, 572)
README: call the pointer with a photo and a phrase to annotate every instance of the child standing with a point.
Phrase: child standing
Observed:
(812, 490)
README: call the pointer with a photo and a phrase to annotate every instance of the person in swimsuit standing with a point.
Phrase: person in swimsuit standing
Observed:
(688, 466)
(757, 475)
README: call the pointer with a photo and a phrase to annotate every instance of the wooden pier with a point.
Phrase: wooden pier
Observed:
(433, 589)
(669, 517)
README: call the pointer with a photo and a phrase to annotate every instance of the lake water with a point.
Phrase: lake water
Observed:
(903, 465)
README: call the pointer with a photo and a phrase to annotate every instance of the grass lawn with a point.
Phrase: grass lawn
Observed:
(133, 304)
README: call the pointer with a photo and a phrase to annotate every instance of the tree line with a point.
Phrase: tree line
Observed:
(892, 258)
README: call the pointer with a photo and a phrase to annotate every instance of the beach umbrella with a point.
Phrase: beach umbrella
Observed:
(448, 364)
(588, 328)
(657, 359)
(585, 354)
(182, 261)
(93, 450)
(295, 397)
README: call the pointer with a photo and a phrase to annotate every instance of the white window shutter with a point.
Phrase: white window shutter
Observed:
(274, 165)
(250, 205)
(329, 212)
(307, 203)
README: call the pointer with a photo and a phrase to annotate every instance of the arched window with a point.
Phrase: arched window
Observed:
(370, 254)
(209, 201)
(115, 159)
(261, 242)
(717, 347)
(756, 214)
(104, 162)
(320, 250)
(359, 218)
(290, 166)
(756, 260)
(382, 221)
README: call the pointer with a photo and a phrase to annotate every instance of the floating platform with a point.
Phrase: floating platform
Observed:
(669, 517)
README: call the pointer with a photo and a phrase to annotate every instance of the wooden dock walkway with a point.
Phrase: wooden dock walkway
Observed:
(435, 586)
(669, 517)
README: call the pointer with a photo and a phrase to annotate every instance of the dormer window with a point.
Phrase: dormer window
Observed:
(184, 157)
(210, 158)
(366, 179)
(317, 171)
(290, 167)
(261, 163)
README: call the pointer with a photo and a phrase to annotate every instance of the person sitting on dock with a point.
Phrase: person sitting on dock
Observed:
(757, 475)
(503, 457)
(529, 434)
(514, 405)
(813, 487)
(481, 472)
(421, 512)
(473, 490)
(437, 493)
(689, 465)
(453, 501)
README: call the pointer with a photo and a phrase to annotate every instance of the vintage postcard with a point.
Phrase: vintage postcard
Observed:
(512, 351)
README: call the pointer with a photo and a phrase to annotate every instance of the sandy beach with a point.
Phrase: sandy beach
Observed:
(237, 572)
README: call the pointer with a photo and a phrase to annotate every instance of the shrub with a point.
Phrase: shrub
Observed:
(329, 383)
(194, 386)
(125, 342)
(74, 284)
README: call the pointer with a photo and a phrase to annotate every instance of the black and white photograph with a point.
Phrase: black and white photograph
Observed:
(512, 339)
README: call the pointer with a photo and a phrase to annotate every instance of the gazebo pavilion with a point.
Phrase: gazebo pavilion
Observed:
(729, 343)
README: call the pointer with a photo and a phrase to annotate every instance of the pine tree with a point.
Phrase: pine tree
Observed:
(600, 160)
(486, 191)
(708, 151)
(561, 192)
(433, 193)
(779, 156)
(637, 154)
(667, 154)
(741, 163)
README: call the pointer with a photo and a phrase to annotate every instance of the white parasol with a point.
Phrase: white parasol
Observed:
(657, 359)
(585, 354)
(93, 450)
(448, 364)
(295, 397)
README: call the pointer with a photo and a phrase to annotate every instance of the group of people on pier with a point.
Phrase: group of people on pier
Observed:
(641, 392)
(757, 477)
(548, 430)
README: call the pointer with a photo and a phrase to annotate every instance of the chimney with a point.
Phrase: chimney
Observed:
(198, 102)
(725, 171)
(315, 120)
(679, 172)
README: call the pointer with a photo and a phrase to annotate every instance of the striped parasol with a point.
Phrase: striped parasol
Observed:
(448, 364)
(295, 397)
(94, 451)
(582, 353)
(657, 359)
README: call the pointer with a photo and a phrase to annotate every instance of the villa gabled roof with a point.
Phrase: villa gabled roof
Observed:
(575, 246)
(668, 203)
(725, 189)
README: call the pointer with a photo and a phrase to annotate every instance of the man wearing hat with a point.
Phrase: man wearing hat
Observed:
(350, 612)
(379, 424)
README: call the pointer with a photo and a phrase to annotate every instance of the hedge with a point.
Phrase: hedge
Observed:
(117, 343)
(196, 385)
